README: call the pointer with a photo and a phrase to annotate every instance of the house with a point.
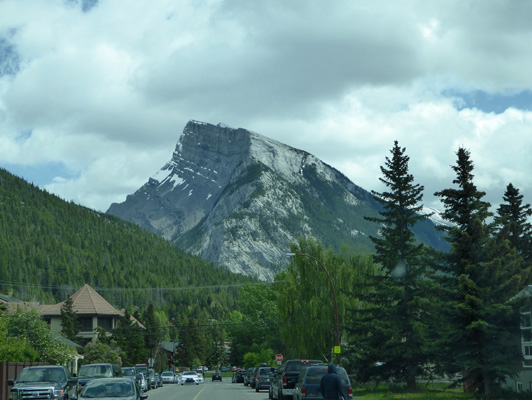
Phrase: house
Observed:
(523, 381)
(92, 311)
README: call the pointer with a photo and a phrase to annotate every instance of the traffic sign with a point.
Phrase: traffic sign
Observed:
(279, 358)
(337, 350)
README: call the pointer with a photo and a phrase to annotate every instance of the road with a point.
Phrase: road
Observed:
(209, 390)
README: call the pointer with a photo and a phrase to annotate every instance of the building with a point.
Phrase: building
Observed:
(92, 311)
(523, 381)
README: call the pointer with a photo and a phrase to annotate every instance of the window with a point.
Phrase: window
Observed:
(105, 323)
(525, 320)
(85, 324)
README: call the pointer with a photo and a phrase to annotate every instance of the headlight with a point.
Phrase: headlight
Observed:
(13, 395)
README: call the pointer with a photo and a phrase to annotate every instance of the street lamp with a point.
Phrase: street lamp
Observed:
(337, 327)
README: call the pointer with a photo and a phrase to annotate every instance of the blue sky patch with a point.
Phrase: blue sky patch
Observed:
(491, 103)
(41, 174)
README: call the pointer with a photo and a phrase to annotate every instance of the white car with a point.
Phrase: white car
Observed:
(190, 377)
(168, 377)
(143, 382)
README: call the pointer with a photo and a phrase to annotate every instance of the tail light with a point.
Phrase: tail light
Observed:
(285, 381)
(303, 391)
(350, 390)
(258, 378)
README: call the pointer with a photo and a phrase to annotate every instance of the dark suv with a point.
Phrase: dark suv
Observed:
(309, 379)
(43, 382)
(263, 378)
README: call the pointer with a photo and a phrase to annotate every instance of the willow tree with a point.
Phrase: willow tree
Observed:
(306, 300)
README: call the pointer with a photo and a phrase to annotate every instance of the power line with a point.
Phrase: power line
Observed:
(152, 289)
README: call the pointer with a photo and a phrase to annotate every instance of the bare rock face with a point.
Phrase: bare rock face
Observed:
(238, 199)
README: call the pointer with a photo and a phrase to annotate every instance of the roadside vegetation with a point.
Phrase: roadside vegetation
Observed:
(403, 312)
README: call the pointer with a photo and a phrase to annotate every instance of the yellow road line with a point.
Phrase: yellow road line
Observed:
(199, 393)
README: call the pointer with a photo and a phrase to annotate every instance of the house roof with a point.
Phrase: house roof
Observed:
(6, 299)
(86, 301)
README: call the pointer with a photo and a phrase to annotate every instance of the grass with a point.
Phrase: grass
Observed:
(429, 392)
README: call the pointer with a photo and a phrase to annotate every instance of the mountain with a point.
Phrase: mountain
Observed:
(238, 199)
(49, 248)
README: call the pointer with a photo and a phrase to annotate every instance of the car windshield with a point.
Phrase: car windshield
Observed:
(167, 374)
(314, 376)
(292, 367)
(189, 373)
(42, 375)
(95, 371)
(98, 389)
(128, 371)
(265, 371)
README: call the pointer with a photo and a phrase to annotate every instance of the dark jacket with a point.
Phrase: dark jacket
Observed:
(331, 385)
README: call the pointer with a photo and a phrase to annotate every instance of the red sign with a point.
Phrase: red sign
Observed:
(279, 357)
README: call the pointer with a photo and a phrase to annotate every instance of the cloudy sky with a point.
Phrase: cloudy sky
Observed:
(94, 94)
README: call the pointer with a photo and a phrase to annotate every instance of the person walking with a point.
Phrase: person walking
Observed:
(331, 385)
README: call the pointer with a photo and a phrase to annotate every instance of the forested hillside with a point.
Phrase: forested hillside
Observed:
(49, 248)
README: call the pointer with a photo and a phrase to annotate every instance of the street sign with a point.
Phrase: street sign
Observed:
(337, 350)
(279, 358)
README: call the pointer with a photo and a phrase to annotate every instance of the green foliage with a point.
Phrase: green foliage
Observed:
(49, 248)
(14, 349)
(480, 277)
(392, 326)
(512, 224)
(255, 327)
(264, 356)
(98, 352)
(69, 320)
(129, 337)
(34, 337)
(306, 299)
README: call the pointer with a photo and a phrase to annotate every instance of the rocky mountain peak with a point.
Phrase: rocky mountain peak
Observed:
(238, 199)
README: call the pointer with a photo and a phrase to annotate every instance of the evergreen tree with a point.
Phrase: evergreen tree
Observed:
(512, 222)
(130, 339)
(479, 280)
(153, 331)
(393, 326)
(69, 319)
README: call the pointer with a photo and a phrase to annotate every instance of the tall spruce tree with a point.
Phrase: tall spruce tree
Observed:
(69, 319)
(512, 222)
(480, 277)
(392, 328)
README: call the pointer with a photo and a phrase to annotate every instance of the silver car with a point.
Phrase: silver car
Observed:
(112, 388)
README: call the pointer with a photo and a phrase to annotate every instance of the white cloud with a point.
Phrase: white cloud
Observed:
(106, 93)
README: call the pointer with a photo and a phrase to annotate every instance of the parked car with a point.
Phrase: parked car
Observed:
(144, 369)
(308, 383)
(247, 376)
(55, 380)
(88, 372)
(285, 379)
(129, 371)
(238, 376)
(143, 382)
(263, 378)
(123, 388)
(168, 377)
(216, 376)
(189, 377)
(152, 378)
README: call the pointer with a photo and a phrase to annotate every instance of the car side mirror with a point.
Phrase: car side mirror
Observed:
(10, 382)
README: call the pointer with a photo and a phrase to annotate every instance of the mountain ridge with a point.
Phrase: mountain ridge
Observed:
(238, 199)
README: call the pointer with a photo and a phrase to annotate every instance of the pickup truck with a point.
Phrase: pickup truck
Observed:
(43, 382)
(284, 383)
